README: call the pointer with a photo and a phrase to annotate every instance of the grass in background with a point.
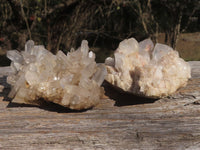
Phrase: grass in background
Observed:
(188, 45)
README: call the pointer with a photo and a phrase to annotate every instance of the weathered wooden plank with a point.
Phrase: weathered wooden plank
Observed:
(121, 121)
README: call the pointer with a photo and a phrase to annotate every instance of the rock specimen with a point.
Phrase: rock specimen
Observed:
(71, 80)
(145, 70)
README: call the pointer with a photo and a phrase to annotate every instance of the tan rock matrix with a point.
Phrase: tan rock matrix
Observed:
(145, 70)
(73, 80)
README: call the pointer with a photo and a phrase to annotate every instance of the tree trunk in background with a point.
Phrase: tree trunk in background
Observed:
(176, 32)
(49, 47)
(147, 20)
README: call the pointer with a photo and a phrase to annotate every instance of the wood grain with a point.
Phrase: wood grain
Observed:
(121, 121)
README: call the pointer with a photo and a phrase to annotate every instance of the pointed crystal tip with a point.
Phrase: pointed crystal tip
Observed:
(29, 46)
(84, 47)
(100, 74)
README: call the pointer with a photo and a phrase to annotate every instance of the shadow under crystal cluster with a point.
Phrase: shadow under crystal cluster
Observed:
(73, 80)
(142, 69)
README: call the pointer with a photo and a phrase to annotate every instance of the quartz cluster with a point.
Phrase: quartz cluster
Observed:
(73, 80)
(142, 69)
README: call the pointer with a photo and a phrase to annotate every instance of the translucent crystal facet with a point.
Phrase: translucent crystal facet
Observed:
(146, 70)
(71, 80)
(161, 50)
(29, 46)
(145, 49)
(15, 56)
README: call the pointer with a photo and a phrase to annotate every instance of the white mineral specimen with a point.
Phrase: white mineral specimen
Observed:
(71, 80)
(142, 69)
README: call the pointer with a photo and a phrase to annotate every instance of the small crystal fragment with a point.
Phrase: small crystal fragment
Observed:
(110, 61)
(73, 80)
(147, 71)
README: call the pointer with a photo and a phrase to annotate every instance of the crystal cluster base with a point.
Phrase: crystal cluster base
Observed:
(73, 80)
(142, 69)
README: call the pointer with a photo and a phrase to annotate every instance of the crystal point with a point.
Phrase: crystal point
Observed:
(161, 50)
(100, 74)
(29, 46)
(84, 48)
(128, 46)
(15, 56)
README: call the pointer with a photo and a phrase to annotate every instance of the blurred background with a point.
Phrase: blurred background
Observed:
(63, 24)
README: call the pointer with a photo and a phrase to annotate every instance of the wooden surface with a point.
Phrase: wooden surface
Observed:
(120, 122)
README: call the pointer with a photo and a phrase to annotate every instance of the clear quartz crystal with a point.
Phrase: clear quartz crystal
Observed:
(100, 74)
(147, 70)
(84, 48)
(110, 61)
(161, 50)
(73, 80)
(15, 56)
(128, 46)
(145, 49)
(29, 46)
